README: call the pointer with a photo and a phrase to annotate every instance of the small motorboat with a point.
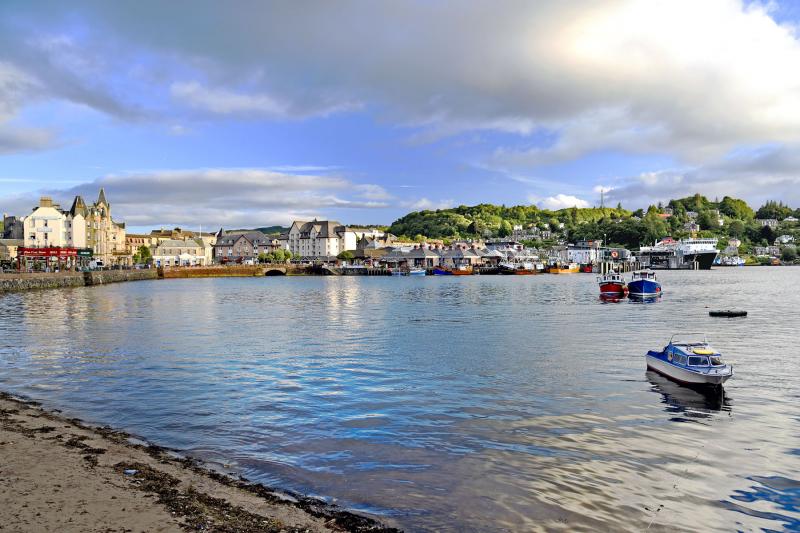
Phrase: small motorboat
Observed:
(416, 272)
(519, 269)
(644, 284)
(690, 360)
(397, 272)
(461, 270)
(612, 285)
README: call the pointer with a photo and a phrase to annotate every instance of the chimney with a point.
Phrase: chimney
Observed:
(45, 201)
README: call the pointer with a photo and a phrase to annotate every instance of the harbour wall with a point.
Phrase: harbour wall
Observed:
(57, 280)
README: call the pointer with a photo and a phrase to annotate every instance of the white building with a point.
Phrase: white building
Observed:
(188, 252)
(50, 227)
(771, 222)
(324, 238)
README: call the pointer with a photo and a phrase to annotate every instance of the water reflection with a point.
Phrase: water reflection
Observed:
(689, 402)
(478, 404)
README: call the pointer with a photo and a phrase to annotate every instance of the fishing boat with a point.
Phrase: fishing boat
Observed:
(519, 269)
(690, 360)
(644, 284)
(588, 269)
(570, 268)
(612, 285)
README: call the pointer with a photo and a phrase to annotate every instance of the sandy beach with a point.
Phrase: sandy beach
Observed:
(58, 474)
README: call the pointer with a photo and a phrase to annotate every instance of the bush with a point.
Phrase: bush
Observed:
(789, 254)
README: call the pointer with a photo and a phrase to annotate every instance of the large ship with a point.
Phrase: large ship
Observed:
(685, 253)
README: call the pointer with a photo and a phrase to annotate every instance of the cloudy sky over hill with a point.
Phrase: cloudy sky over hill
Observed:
(254, 113)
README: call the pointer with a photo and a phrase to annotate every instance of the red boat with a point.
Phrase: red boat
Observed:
(612, 285)
(587, 269)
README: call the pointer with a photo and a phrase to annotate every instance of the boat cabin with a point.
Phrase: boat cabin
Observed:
(699, 355)
(644, 274)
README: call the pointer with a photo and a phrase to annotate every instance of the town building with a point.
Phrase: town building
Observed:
(185, 252)
(771, 222)
(323, 239)
(8, 249)
(104, 236)
(13, 227)
(784, 239)
(242, 246)
(48, 226)
(790, 220)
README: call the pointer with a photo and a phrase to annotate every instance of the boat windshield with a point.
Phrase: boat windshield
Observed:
(696, 360)
(716, 360)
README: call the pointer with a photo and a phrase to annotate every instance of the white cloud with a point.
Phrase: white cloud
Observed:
(686, 77)
(224, 101)
(213, 196)
(371, 191)
(755, 176)
(424, 204)
(559, 201)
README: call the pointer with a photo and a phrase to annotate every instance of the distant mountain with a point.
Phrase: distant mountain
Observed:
(272, 230)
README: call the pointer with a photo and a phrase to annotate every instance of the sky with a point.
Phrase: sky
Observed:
(254, 113)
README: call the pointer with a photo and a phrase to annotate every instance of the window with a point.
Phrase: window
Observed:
(697, 361)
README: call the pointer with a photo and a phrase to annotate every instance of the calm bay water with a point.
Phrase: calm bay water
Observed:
(464, 404)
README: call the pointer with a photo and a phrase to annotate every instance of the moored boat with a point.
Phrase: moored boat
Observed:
(644, 284)
(570, 268)
(416, 272)
(690, 360)
(441, 271)
(612, 285)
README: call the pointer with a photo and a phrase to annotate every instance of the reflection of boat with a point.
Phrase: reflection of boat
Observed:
(612, 285)
(690, 361)
(644, 284)
(571, 268)
(681, 398)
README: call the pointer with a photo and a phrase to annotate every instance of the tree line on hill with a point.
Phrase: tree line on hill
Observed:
(694, 215)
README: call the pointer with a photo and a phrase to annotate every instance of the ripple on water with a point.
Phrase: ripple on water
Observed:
(475, 404)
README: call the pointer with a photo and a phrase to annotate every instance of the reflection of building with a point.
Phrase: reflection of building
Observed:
(187, 252)
(324, 238)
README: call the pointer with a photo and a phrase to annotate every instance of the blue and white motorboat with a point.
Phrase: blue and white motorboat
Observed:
(690, 360)
(644, 284)
(416, 272)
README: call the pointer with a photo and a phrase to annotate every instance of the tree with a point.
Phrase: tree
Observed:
(279, 255)
(505, 229)
(346, 255)
(263, 257)
(789, 254)
(287, 255)
(736, 228)
(143, 255)
(707, 220)
(735, 208)
(773, 209)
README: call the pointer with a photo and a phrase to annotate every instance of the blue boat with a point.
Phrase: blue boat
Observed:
(442, 272)
(416, 272)
(690, 361)
(644, 284)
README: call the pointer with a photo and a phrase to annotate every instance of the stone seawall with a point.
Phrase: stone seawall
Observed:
(113, 276)
(24, 281)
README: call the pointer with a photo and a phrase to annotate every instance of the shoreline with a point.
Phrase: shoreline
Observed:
(61, 474)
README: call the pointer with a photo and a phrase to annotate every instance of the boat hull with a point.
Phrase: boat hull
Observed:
(644, 288)
(559, 270)
(612, 290)
(709, 378)
(441, 272)
(416, 273)
(704, 259)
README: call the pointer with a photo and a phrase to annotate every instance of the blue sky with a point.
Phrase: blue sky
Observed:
(256, 113)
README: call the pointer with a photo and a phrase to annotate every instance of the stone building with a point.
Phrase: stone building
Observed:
(105, 237)
(324, 239)
(242, 246)
(13, 227)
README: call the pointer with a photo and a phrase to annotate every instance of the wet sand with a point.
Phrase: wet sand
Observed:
(58, 474)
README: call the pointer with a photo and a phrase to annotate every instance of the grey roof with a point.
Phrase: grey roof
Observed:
(78, 207)
(422, 253)
(101, 198)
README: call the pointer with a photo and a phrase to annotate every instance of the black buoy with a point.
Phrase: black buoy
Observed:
(727, 313)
